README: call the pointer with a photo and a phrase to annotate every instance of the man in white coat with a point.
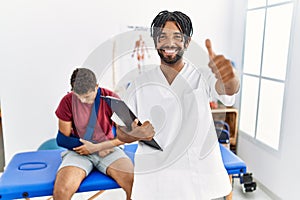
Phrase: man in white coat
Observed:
(175, 97)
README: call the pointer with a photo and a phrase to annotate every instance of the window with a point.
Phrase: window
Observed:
(265, 61)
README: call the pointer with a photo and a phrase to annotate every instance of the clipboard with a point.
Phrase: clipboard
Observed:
(126, 115)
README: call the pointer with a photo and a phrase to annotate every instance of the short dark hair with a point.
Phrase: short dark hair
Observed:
(83, 80)
(183, 22)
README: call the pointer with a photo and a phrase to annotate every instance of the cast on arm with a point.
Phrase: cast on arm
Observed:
(68, 142)
(83, 147)
(64, 137)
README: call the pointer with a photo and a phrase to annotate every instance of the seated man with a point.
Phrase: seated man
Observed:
(74, 113)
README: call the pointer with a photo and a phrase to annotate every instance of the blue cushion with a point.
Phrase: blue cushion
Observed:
(49, 144)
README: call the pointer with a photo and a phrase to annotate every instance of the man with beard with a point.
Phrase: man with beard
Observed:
(175, 97)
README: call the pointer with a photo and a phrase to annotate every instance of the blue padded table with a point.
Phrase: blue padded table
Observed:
(32, 174)
(232, 163)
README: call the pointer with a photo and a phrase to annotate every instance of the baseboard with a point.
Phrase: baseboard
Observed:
(267, 191)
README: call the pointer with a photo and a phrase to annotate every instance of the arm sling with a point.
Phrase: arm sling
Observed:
(71, 142)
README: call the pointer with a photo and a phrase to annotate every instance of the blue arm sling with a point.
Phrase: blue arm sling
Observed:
(71, 142)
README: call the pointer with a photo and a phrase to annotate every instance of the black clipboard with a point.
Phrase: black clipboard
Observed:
(126, 115)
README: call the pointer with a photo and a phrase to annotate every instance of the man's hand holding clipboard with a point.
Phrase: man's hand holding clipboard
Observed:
(135, 130)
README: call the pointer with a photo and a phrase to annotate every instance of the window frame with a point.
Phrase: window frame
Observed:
(260, 77)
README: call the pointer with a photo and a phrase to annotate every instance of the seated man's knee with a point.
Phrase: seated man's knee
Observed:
(67, 181)
(62, 192)
(121, 169)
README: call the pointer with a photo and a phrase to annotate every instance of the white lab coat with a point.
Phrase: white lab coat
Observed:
(190, 165)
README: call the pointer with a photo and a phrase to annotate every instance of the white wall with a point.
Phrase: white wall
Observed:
(278, 171)
(42, 41)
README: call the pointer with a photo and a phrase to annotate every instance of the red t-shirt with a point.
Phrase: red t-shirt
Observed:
(71, 109)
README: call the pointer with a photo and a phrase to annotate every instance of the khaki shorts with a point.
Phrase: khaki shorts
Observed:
(88, 162)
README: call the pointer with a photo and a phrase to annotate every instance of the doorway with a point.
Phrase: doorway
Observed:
(2, 159)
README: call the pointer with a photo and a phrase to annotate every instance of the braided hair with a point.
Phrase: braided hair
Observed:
(183, 23)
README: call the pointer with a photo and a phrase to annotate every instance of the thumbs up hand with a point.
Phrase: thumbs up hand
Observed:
(227, 81)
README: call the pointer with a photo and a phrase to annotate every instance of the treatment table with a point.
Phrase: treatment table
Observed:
(32, 174)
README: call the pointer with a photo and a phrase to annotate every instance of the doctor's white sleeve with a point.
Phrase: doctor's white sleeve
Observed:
(227, 100)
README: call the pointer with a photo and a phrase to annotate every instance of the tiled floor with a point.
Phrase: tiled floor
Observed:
(118, 194)
(238, 193)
